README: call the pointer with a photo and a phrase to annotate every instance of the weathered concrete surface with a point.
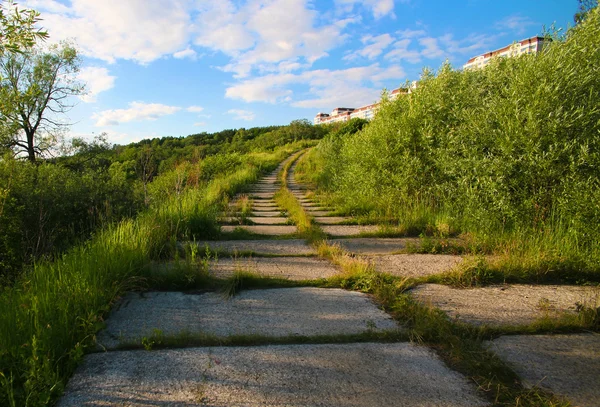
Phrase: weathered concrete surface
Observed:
(375, 245)
(292, 268)
(304, 311)
(506, 304)
(262, 204)
(415, 265)
(349, 230)
(316, 213)
(265, 208)
(266, 230)
(567, 365)
(266, 213)
(261, 195)
(331, 220)
(269, 220)
(292, 247)
(349, 375)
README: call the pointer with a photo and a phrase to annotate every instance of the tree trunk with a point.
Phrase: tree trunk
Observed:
(30, 146)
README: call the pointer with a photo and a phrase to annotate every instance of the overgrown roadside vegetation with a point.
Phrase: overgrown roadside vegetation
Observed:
(460, 345)
(49, 316)
(507, 157)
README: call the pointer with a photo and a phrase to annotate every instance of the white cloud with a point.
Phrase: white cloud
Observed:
(360, 85)
(431, 48)
(200, 124)
(194, 109)
(400, 52)
(379, 8)
(137, 111)
(186, 53)
(376, 46)
(515, 23)
(267, 36)
(97, 80)
(139, 30)
(408, 33)
(240, 114)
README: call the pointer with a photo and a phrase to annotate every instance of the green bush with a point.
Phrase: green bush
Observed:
(510, 149)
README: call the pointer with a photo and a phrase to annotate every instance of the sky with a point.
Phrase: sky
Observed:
(178, 67)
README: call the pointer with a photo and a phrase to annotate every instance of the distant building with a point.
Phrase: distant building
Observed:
(528, 46)
(344, 114)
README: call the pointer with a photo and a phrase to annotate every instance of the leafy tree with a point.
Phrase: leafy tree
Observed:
(35, 87)
(584, 7)
(17, 28)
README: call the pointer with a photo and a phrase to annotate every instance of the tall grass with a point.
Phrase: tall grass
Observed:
(509, 154)
(49, 318)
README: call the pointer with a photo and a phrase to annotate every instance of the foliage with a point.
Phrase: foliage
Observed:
(584, 7)
(34, 92)
(49, 317)
(510, 151)
(17, 28)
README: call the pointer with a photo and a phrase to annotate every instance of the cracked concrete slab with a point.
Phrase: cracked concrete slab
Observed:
(317, 213)
(348, 230)
(291, 268)
(304, 311)
(499, 305)
(346, 375)
(263, 204)
(331, 220)
(269, 220)
(261, 195)
(292, 247)
(415, 265)
(265, 230)
(567, 365)
(374, 245)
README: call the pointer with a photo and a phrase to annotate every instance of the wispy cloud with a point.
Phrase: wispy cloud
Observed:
(97, 80)
(516, 23)
(137, 111)
(239, 114)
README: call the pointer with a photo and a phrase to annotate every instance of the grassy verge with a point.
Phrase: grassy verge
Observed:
(49, 318)
(461, 346)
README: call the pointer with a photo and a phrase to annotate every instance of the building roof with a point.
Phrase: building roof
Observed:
(490, 54)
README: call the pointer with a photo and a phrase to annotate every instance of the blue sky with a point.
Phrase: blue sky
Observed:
(178, 67)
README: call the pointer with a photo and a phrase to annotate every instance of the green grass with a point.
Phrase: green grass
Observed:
(158, 340)
(460, 345)
(49, 318)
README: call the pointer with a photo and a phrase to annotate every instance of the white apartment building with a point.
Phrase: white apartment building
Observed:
(527, 46)
(367, 112)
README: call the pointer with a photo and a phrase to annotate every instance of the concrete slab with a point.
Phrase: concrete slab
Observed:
(375, 245)
(349, 230)
(304, 311)
(268, 208)
(291, 268)
(506, 304)
(415, 265)
(291, 247)
(331, 220)
(269, 220)
(265, 230)
(317, 213)
(264, 204)
(266, 213)
(261, 195)
(567, 365)
(347, 375)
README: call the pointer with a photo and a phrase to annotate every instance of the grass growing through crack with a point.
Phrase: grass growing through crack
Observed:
(159, 340)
